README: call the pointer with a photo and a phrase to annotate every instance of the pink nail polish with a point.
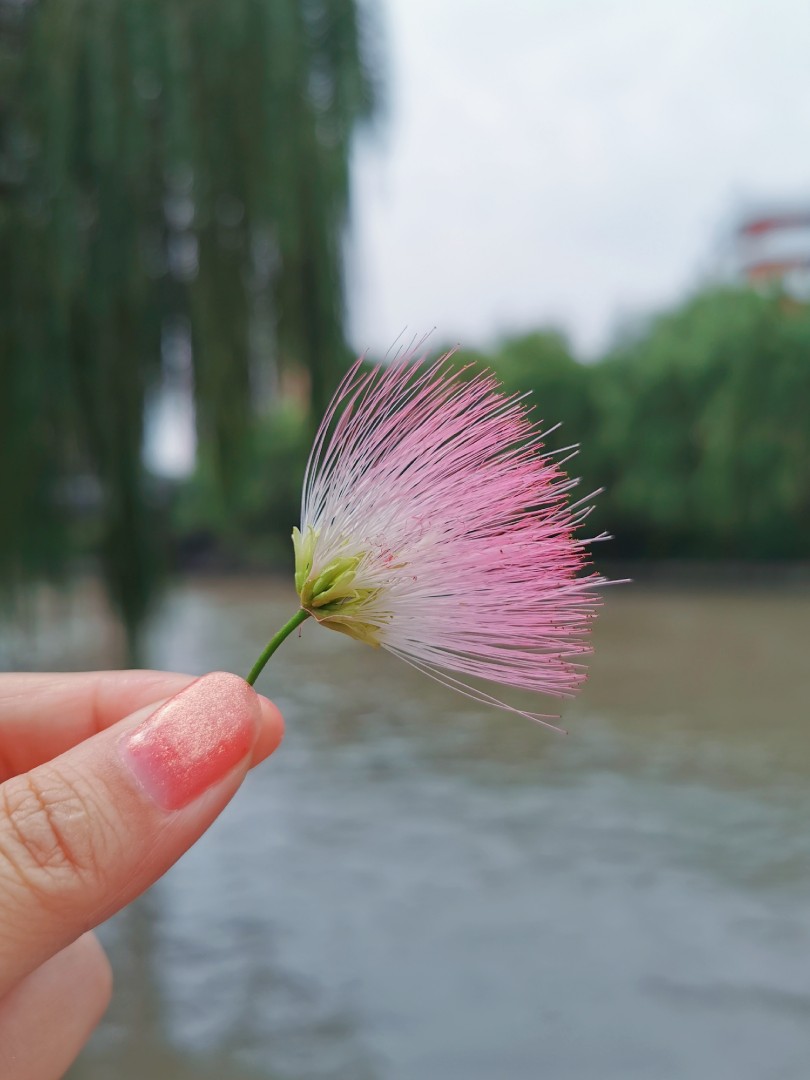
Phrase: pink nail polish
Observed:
(193, 740)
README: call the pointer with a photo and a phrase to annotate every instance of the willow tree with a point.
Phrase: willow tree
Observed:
(163, 164)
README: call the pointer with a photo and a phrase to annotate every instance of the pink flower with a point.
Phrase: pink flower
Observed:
(434, 525)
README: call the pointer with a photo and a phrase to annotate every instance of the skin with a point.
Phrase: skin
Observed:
(81, 837)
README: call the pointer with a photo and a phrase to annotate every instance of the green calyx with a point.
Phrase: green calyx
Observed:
(333, 587)
(304, 546)
(332, 595)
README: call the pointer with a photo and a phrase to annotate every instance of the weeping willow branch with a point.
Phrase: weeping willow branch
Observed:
(162, 163)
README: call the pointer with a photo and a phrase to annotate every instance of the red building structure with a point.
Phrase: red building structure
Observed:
(772, 246)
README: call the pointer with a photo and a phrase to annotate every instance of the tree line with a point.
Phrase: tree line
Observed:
(697, 426)
(695, 429)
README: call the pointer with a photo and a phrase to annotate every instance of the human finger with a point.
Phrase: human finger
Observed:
(83, 835)
(49, 1016)
(43, 715)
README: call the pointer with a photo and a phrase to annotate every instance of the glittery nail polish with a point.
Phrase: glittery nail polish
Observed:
(193, 740)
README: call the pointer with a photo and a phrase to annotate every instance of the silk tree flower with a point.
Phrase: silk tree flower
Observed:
(434, 525)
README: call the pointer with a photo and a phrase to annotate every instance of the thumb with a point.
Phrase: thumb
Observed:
(84, 834)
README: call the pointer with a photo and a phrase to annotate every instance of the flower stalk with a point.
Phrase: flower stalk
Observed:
(274, 643)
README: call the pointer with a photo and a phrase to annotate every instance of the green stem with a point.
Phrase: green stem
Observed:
(274, 643)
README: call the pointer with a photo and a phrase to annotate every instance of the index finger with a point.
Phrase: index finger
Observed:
(44, 715)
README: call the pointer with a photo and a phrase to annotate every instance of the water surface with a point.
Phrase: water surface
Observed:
(415, 888)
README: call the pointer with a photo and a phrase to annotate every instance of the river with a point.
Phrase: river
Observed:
(416, 888)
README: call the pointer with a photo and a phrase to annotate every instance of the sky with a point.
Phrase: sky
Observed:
(574, 163)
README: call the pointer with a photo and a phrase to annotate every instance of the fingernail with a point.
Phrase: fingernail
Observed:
(193, 740)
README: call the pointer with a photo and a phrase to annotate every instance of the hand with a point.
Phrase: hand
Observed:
(104, 783)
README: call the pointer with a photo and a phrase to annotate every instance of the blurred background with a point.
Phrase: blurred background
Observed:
(206, 211)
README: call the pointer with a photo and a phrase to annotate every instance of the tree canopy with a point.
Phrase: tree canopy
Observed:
(696, 427)
(169, 170)
(703, 438)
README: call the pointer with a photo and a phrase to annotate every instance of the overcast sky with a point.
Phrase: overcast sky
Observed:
(568, 161)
